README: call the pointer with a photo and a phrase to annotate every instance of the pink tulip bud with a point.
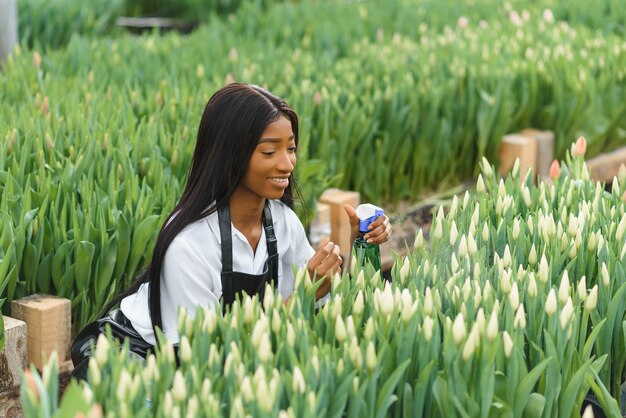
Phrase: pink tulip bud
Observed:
(37, 59)
(317, 98)
(555, 170)
(580, 147)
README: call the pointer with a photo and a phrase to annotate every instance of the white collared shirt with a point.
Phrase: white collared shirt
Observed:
(192, 266)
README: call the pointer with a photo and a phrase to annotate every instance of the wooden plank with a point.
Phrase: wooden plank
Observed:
(48, 319)
(516, 146)
(545, 149)
(606, 166)
(339, 221)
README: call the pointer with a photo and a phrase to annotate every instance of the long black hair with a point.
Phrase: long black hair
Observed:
(232, 124)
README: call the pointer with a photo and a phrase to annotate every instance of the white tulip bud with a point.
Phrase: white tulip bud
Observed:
(179, 390)
(605, 275)
(476, 215)
(268, 299)
(592, 299)
(454, 264)
(532, 256)
(564, 288)
(572, 251)
(486, 291)
(480, 320)
(246, 389)
(566, 313)
(486, 167)
(485, 232)
(492, 326)
(551, 303)
(506, 257)
(462, 247)
(516, 229)
(102, 350)
(210, 320)
(405, 269)
(185, 349)
(370, 357)
(340, 329)
(480, 184)
(453, 207)
(588, 413)
(438, 231)
(428, 302)
(375, 278)
(357, 308)
(621, 228)
(526, 195)
(465, 199)
(471, 245)
(168, 404)
(248, 311)
(514, 297)
(419, 240)
(508, 343)
(265, 348)
(386, 301)
(454, 233)
(458, 328)
(298, 382)
(476, 271)
(427, 328)
(471, 344)
(591, 245)
(520, 317)
(95, 377)
(501, 189)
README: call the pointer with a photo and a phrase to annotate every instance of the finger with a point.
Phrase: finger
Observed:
(378, 221)
(375, 233)
(320, 255)
(354, 219)
(329, 261)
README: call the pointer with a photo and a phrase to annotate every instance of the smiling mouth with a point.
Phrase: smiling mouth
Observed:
(281, 181)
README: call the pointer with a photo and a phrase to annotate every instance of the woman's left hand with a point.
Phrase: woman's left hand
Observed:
(379, 230)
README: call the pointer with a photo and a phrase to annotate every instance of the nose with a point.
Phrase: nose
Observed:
(287, 162)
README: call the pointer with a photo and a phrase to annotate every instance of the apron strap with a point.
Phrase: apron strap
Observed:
(272, 248)
(227, 242)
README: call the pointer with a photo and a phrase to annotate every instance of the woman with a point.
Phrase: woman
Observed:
(233, 229)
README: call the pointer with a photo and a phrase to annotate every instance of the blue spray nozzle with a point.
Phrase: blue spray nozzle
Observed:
(367, 214)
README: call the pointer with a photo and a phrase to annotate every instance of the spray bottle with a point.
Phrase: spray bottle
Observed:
(364, 251)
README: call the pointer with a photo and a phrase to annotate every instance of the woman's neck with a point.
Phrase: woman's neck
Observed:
(246, 212)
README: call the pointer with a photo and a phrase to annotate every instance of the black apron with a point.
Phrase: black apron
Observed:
(234, 284)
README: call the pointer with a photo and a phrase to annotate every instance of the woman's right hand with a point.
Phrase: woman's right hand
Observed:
(324, 264)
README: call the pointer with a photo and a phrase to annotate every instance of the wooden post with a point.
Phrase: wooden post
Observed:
(516, 146)
(8, 27)
(339, 221)
(606, 166)
(12, 362)
(48, 319)
(545, 150)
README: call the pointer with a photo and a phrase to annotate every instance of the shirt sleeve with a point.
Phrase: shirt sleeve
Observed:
(187, 280)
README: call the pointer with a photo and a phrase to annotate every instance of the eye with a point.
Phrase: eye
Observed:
(268, 153)
(292, 149)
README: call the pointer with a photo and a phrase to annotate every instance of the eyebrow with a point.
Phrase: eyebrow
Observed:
(289, 138)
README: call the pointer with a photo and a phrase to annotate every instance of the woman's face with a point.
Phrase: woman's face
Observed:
(272, 161)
